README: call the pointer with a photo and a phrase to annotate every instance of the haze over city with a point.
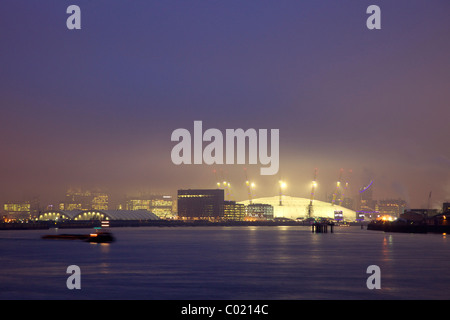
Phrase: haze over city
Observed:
(95, 108)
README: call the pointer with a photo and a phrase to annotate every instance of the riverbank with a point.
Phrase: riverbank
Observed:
(43, 225)
(407, 227)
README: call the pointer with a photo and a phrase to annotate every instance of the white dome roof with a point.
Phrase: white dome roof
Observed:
(294, 208)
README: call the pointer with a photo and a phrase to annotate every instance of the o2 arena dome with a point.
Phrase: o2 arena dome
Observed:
(295, 208)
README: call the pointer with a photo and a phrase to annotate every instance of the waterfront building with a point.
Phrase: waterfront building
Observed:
(21, 210)
(338, 215)
(424, 212)
(368, 215)
(233, 211)
(391, 207)
(161, 205)
(259, 211)
(442, 219)
(86, 215)
(17, 209)
(446, 207)
(198, 204)
(413, 216)
(298, 208)
(360, 216)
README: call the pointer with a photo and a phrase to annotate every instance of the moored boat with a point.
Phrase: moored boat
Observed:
(98, 237)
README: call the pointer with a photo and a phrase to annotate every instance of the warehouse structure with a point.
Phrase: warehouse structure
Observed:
(85, 215)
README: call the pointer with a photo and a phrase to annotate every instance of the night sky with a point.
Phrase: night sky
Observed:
(96, 107)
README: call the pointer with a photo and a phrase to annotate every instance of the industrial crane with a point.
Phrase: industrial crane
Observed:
(338, 186)
(313, 189)
(222, 183)
(217, 179)
(227, 187)
(250, 185)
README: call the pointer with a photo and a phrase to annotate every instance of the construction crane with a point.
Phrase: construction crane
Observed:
(338, 186)
(227, 187)
(222, 183)
(313, 189)
(217, 178)
(250, 185)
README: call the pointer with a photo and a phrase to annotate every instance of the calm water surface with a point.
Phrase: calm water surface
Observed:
(274, 263)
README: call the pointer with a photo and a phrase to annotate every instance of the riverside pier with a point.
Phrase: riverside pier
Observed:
(322, 227)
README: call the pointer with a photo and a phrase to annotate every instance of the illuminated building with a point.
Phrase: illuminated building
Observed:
(360, 216)
(297, 208)
(259, 211)
(233, 211)
(393, 208)
(83, 215)
(368, 215)
(58, 215)
(100, 201)
(138, 204)
(18, 210)
(366, 202)
(87, 200)
(162, 206)
(197, 204)
(22, 209)
(366, 205)
(338, 215)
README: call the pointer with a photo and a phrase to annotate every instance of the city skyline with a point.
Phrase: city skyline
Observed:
(84, 199)
(96, 107)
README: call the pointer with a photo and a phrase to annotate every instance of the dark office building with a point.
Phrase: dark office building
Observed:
(446, 207)
(196, 204)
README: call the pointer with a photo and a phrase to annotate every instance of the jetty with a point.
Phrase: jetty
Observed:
(322, 227)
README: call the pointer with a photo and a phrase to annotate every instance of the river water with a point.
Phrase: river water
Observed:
(226, 263)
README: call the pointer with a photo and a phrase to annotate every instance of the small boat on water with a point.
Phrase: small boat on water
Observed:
(98, 237)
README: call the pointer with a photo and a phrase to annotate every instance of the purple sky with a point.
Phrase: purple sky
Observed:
(96, 107)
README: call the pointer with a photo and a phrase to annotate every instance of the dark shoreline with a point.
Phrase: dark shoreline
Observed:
(375, 226)
(405, 227)
(44, 225)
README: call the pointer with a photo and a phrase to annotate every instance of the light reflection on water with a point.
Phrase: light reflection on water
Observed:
(227, 263)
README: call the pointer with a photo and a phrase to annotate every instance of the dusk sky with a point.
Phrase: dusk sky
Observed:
(96, 107)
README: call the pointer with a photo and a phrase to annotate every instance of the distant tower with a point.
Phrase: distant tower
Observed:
(366, 197)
